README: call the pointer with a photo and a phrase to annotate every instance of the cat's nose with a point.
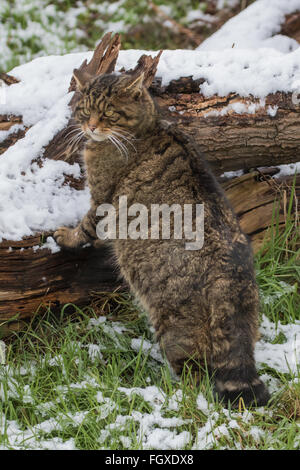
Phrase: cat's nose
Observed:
(92, 127)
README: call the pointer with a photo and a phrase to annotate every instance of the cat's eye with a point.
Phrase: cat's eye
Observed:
(109, 112)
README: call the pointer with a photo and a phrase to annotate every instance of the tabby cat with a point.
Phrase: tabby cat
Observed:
(202, 303)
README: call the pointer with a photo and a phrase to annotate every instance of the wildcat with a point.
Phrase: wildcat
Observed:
(202, 303)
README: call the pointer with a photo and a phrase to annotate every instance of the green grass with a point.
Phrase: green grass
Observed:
(278, 268)
(80, 379)
(33, 28)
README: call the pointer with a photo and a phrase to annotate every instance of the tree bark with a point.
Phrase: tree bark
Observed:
(230, 142)
(261, 202)
(291, 26)
(235, 141)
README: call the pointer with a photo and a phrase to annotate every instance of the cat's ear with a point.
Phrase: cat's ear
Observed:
(133, 85)
(136, 83)
(81, 79)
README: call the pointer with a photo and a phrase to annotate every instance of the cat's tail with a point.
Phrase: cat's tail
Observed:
(233, 384)
(233, 321)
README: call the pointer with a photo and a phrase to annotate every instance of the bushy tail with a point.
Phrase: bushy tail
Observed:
(241, 382)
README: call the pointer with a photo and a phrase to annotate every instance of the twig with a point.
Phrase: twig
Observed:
(244, 4)
(8, 79)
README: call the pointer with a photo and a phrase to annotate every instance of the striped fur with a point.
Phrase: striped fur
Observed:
(203, 304)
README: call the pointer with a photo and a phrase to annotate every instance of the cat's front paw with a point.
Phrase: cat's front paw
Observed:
(68, 238)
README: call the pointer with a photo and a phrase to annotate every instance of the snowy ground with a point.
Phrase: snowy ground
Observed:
(137, 416)
(35, 28)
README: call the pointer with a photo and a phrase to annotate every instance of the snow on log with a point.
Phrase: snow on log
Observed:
(239, 104)
(237, 93)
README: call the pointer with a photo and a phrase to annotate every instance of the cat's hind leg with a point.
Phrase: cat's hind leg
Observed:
(233, 327)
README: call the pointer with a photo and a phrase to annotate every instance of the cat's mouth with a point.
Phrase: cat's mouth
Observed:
(98, 136)
(118, 137)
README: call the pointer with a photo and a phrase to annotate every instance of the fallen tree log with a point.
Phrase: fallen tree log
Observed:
(260, 200)
(31, 276)
(230, 140)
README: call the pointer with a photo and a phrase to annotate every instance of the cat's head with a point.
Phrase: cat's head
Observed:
(111, 106)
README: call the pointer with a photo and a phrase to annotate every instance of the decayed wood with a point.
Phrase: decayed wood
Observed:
(236, 141)
(148, 66)
(103, 61)
(230, 142)
(291, 26)
(30, 277)
(257, 198)
(8, 79)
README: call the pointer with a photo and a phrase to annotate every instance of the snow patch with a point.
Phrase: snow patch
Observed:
(255, 27)
(285, 357)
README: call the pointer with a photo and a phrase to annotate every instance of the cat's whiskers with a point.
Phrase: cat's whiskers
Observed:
(118, 134)
(77, 126)
(122, 144)
(75, 140)
(78, 133)
(74, 125)
(72, 131)
(110, 138)
(119, 145)
(126, 132)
